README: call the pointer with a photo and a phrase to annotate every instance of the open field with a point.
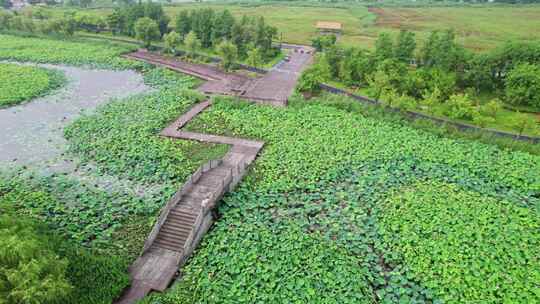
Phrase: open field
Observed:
(478, 27)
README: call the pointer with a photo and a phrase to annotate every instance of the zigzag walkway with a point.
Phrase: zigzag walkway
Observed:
(273, 87)
(187, 216)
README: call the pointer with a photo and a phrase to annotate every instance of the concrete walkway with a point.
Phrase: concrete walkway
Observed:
(187, 216)
(273, 87)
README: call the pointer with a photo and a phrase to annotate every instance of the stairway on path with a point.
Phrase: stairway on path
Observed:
(188, 214)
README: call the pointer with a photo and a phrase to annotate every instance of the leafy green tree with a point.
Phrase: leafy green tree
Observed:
(431, 100)
(172, 41)
(255, 57)
(384, 47)
(405, 46)
(30, 271)
(69, 25)
(482, 120)
(333, 56)
(192, 43)
(491, 108)
(320, 43)
(228, 53)
(523, 122)
(380, 84)
(115, 22)
(396, 72)
(460, 106)
(5, 19)
(201, 23)
(523, 85)
(442, 51)
(147, 30)
(183, 23)
(310, 80)
(155, 12)
(222, 27)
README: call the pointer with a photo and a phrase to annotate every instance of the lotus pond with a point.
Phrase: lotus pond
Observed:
(19, 83)
(344, 208)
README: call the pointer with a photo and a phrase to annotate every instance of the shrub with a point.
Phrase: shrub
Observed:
(310, 81)
(30, 270)
(482, 120)
(228, 53)
(460, 106)
(522, 85)
(522, 122)
(146, 30)
(491, 108)
(172, 41)
(193, 44)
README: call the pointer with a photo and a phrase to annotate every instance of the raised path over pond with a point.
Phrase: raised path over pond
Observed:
(188, 215)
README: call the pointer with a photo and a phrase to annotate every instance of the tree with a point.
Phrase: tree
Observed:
(155, 12)
(460, 106)
(320, 43)
(523, 85)
(309, 81)
(254, 57)
(147, 30)
(192, 43)
(172, 41)
(115, 21)
(405, 46)
(222, 27)
(492, 108)
(523, 122)
(384, 48)
(442, 51)
(30, 270)
(5, 19)
(228, 53)
(396, 73)
(69, 25)
(183, 23)
(380, 84)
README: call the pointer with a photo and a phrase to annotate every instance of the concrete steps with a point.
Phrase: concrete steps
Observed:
(187, 216)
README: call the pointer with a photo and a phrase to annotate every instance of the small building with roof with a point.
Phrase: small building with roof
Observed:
(329, 27)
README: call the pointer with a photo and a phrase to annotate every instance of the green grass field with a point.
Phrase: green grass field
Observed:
(478, 27)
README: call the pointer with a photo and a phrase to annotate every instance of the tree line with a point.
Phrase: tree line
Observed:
(246, 38)
(439, 74)
(206, 28)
